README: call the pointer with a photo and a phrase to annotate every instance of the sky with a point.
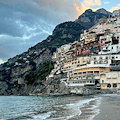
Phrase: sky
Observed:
(24, 23)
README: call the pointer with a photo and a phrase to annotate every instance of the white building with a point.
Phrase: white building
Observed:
(105, 60)
(116, 13)
(110, 49)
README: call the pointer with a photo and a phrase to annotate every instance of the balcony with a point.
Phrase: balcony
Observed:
(97, 77)
(89, 72)
(84, 74)
(75, 75)
(96, 73)
(89, 83)
(79, 74)
(114, 76)
(101, 72)
(90, 78)
(82, 81)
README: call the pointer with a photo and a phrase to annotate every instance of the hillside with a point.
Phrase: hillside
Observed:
(24, 73)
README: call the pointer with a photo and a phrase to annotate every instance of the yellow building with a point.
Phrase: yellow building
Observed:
(76, 62)
(110, 80)
(86, 75)
(84, 33)
(90, 38)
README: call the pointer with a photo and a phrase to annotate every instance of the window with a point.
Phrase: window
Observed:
(106, 58)
(114, 85)
(109, 85)
(113, 57)
(102, 76)
(114, 76)
(108, 75)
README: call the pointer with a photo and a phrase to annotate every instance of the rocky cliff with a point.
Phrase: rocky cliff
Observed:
(90, 18)
(25, 74)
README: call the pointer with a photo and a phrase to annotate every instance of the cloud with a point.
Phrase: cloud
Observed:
(24, 23)
(89, 3)
(106, 2)
(115, 8)
(1, 61)
(11, 46)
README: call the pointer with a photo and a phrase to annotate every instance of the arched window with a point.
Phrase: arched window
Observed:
(114, 85)
(109, 85)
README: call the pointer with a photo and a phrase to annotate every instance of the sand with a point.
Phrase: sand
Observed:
(106, 107)
(89, 110)
(109, 108)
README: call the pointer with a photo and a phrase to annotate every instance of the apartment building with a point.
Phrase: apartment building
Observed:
(86, 75)
(110, 80)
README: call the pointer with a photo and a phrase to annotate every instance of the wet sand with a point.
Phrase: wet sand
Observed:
(106, 107)
(109, 108)
(102, 107)
(89, 110)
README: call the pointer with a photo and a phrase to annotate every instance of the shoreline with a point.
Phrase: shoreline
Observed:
(94, 107)
(109, 108)
(90, 110)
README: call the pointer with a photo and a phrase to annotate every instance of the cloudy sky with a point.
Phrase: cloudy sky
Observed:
(24, 23)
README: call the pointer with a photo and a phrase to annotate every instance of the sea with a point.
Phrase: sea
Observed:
(49, 108)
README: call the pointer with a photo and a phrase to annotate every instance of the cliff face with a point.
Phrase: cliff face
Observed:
(25, 73)
(13, 72)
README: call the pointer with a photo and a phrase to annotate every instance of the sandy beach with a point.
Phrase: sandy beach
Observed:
(109, 109)
(104, 107)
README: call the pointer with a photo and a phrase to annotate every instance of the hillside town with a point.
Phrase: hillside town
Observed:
(94, 60)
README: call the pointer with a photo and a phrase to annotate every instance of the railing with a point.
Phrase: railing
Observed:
(108, 77)
(96, 77)
(96, 73)
(114, 76)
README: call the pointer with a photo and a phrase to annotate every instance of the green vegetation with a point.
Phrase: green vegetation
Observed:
(38, 75)
(70, 30)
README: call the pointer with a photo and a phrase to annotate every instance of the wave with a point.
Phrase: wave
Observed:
(69, 111)
(95, 107)
(61, 108)
(43, 116)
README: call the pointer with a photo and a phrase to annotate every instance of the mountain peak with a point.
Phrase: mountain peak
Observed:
(88, 10)
(103, 11)
(89, 18)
